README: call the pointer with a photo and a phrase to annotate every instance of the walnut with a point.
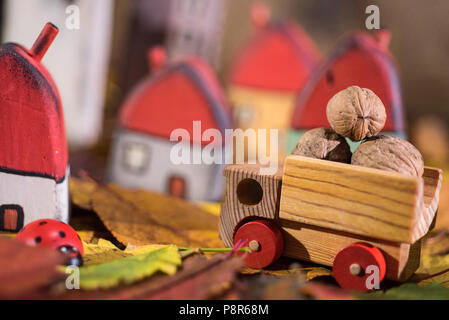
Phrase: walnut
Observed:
(356, 113)
(324, 144)
(391, 154)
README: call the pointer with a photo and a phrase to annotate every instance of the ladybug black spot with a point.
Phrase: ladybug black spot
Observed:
(62, 234)
(38, 239)
(42, 223)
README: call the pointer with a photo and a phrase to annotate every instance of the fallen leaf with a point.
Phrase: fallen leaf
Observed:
(433, 269)
(211, 207)
(316, 272)
(105, 251)
(321, 291)
(86, 236)
(7, 234)
(130, 269)
(436, 243)
(140, 217)
(265, 287)
(285, 267)
(25, 269)
(200, 279)
(410, 291)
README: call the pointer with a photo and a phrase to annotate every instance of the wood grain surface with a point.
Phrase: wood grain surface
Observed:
(320, 245)
(349, 198)
(233, 211)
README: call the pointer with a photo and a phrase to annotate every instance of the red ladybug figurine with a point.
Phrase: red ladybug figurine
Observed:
(54, 234)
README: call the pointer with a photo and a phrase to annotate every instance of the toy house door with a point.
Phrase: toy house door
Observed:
(177, 187)
(11, 218)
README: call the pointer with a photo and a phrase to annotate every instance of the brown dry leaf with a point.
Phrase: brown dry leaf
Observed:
(436, 244)
(308, 273)
(287, 267)
(432, 266)
(25, 269)
(139, 217)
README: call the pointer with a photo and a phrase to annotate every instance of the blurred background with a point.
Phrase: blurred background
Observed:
(97, 64)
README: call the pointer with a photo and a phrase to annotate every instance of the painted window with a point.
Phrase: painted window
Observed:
(136, 157)
(11, 217)
(177, 187)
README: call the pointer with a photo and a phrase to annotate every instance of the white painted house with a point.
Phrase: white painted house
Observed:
(171, 98)
(33, 158)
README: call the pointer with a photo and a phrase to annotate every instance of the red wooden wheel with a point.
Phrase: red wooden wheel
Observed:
(264, 239)
(351, 263)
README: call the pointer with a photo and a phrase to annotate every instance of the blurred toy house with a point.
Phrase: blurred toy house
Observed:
(173, 97)
(358, 59)
(267, 73)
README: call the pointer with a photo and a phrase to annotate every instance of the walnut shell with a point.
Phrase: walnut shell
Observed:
(356, 113)
(391, 154)
(324, 144)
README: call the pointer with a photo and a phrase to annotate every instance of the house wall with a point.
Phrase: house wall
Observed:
(270, 110)
(203, 182)
(39, 197)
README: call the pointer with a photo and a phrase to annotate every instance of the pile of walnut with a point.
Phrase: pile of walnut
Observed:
(358, 114)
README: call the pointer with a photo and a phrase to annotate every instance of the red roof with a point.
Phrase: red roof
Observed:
(173, 98)
(279, 56)
(32, 135)
(359, 59)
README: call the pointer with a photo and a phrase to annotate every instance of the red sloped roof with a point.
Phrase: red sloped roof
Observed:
(173, 98)
(279, 56)
(359, 60)
(32, 135)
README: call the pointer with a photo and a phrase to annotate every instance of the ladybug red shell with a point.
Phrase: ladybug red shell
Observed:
(54, 234)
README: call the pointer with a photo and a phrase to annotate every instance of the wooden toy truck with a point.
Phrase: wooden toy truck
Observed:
(340, 215)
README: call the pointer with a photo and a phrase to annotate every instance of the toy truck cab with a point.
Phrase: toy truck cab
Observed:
(345, 216)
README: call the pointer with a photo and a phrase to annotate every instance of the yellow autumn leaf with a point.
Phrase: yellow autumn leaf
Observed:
(104, 251)
(309, 273)
(130, 269)
(432, 265)
(7, 234)
(86, 235)
(155, 218)
(211, 207)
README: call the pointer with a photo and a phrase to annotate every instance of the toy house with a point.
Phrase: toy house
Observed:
(358, 59)
(195, 27)
(267, 73)
(173, 97)
(85, 41)
(34, 158)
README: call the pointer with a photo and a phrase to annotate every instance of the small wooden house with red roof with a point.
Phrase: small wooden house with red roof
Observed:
(33, 158)
(268, 71)
(173, 97)
(358, 59)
